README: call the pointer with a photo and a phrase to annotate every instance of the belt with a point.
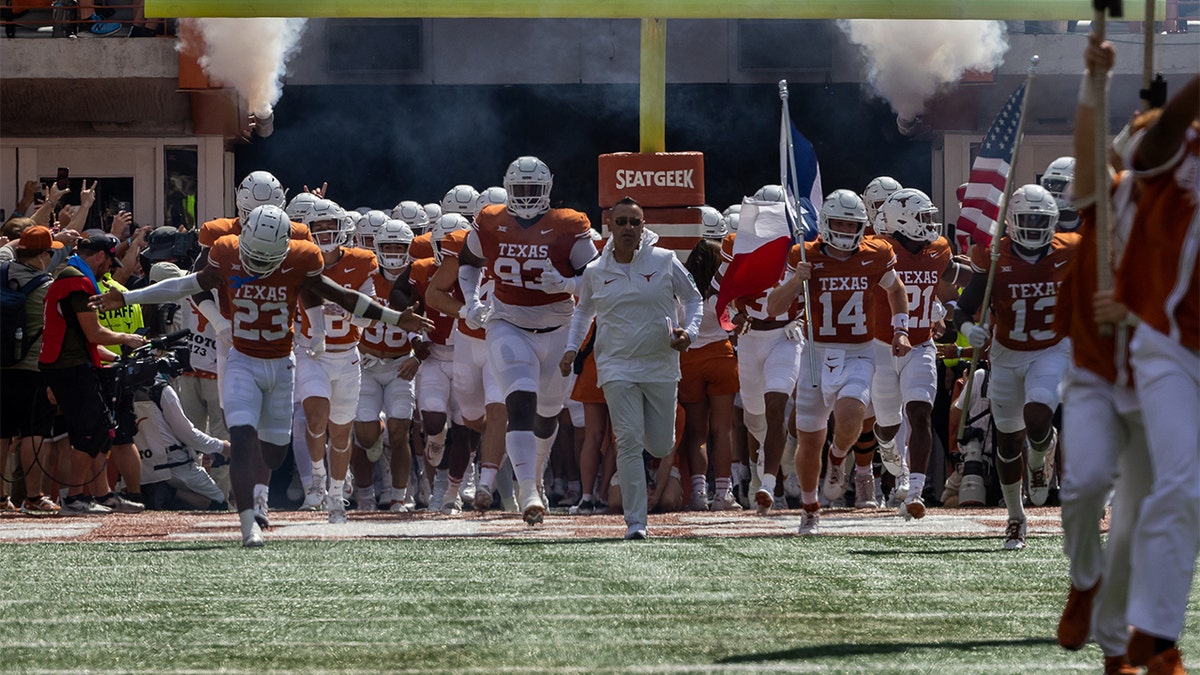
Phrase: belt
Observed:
(202, 374)
(764, 324)
(539, 330)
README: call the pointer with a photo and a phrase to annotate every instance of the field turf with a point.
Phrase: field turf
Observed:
(922, 604)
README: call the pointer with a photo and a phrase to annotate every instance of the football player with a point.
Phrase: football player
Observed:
(873, 196)
(327, 357)
(480, 400)
(388, 370)
(260, 272)
(1159, 280)
(1057, 181)
(1029, 357)
(1104, 450)
(908, 384)
(533, 253)
(842, 267)
(768, 360)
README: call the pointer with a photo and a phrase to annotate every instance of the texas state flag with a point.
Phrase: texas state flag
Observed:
(760, 251)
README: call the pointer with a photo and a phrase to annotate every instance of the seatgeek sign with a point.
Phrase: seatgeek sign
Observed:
(663, 179)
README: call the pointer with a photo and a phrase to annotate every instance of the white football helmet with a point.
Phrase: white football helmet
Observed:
(460, 199)
(362, 210)
(492, 195)
(264, 241)
(732, 220)
(911, 213)
(413, 215)
(300, 205)
(874, 195)
(388, 240)
(1057, 181)
(1032, 215)
(712, 224)
(449, 222)
(366, 228)
(259, 188)
(434, 211)
(732, 208)
(845, 206)
(528, 181)
(328, 224)
(771, 193)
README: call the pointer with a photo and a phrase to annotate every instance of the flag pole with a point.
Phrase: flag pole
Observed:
(1101, 179)
(996, 235)
(787, 160)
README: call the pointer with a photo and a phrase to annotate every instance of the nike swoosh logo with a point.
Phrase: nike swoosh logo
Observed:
(285, 270)
(865, 263)
(608, 281)
(1060, 264)
(547, 231)
(933, 255)
(355, 361)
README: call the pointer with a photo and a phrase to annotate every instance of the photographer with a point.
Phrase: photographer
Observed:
(26, 413)
(70, 362)
(169, 441)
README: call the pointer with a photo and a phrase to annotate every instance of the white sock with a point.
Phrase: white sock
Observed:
(809, 497)
(261, 490)
(768, 484)
(721, 487)
(544, 446)
(1012, 500)
(699, 483)
(916, 484)
(336, 488)
(837, 453)
(864, 470)
(522, 451)
(487, 474)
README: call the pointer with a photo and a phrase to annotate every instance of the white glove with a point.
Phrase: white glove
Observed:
(475, 315)
(937, 311)
(553, 282)
(317, 346)
(977, 336)
(794, 331)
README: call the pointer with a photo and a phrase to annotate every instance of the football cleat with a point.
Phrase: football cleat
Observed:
(763, 502)
(810, 520)
(864, 491)
(889, 454)
(1014, 534)
(914, 509)
(834, 484)
(483, 498)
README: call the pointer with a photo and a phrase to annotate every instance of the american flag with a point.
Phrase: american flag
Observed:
(990, 173)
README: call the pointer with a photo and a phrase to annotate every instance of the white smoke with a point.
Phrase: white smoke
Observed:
(910, 61)
(251, 56)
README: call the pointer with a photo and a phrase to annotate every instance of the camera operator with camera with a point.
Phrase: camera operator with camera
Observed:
(169, 442)
(71, 360)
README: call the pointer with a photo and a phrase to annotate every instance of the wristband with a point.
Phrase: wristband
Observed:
(900, 321)
(388, 315)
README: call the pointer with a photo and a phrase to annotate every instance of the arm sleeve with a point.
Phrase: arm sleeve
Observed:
(167, 290)
(181, 427)
(585, 312)
(473, 244)
(468, 281)
(582, 253)
(367, 289)
(685, 290)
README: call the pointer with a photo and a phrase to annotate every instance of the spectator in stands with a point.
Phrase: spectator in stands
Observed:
(26, 413)
(70, 358)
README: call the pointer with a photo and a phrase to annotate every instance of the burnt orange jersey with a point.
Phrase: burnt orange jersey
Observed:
(451, 244)
(421, 246)
(1159, 279)
(517, 253)
(382, 338)
(920, 272)
(1073, 318)
(1024, 294)
(264, 308)
(755, 307)
(213, 230)
(355, 268)
(839, 289)
(419, 274)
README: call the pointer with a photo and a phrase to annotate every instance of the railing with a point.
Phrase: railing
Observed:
(65, 18)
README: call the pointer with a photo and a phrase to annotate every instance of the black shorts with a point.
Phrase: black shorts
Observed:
(77, 390)
(26, 411)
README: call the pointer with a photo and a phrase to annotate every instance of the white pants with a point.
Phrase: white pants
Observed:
(258, 393)
(474, 383)
(333, 376)
(526, 361)
(382, 389)
(434, 390)
(845, 371)
(643, 417)
(767, 362)
(1167, 537)
(1103, 446)
(1025, 377)
(200, 398)
(899, 380)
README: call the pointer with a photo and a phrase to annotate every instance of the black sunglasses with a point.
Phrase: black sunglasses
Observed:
(624, 220)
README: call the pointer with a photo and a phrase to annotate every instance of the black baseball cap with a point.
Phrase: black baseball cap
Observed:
(98, 240)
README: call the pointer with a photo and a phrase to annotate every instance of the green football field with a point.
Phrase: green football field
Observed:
(745, 605)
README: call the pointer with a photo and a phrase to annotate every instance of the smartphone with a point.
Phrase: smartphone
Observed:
(124, 206)
(64, 176)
